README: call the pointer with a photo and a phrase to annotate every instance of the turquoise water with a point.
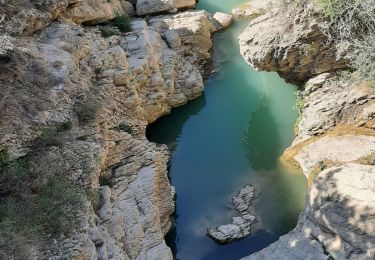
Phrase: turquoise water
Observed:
(230, 136)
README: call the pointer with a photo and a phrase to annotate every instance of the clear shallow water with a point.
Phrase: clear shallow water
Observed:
(230, 136)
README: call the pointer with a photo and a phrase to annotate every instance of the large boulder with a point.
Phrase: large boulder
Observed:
(144, 7)
(96, 11)
(27, 17)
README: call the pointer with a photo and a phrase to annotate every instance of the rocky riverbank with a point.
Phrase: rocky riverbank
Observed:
(77, 95)
(334, 143)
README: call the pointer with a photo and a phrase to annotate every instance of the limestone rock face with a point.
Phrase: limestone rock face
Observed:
(336, 125)
(221, 20)
(328, 102)
(345, 148)
(334, 143)
(291, 44)
(27, 17)
(123, 82)
(250, 9)
(96, 11)
(158, 6)
(338, 221)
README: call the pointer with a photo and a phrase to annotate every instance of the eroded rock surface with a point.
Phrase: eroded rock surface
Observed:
(292, 44)
(241, 225)
(250, 9)
(157, 6)
(338, 221)
(334, 142)
(107, 89)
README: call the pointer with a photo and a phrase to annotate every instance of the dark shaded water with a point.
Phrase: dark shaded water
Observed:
(230, 136)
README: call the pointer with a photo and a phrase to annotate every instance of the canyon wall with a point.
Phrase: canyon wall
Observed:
(334, 141)
(76, 97)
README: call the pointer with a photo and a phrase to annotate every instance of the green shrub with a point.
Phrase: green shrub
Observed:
(49, 137)
(352, 23)
(105, 181)
(88, 110)
(4, 157)
(65, 126)
(123, 23)
(52, 136)
(13, 178)
(108, 32)
(50, 210)
(125, 128)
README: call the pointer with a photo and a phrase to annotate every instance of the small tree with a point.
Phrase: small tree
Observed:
(123, 23)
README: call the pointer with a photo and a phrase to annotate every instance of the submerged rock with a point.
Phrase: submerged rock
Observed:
(241, 225)
(242, 201)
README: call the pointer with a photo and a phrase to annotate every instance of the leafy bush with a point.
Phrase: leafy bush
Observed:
(123, 23)
(108, 32)
(87, 110)
(352, 23)
(26, 214)
(13, 176)
(4, 157)
(52, 136)
(125, 128)
(105, 180)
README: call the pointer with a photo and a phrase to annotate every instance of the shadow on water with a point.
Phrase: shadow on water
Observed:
(165, 132)
(232, 135)
(260, 145)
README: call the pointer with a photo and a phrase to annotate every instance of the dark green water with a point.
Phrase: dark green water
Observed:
(230, 136)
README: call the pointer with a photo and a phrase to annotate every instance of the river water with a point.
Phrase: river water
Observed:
(230, 136)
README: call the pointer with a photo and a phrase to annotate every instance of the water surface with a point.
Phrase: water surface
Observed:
(230, 136)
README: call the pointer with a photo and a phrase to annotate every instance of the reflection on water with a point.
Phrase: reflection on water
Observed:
(231, 136)
(261, 152)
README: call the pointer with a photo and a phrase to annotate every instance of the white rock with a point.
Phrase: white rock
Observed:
(221, 20)
(157, 6)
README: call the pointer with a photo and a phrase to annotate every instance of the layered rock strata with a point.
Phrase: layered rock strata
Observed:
(107, 88)
(250, 9)
(241, 225)
(334, 143)
(338, 219)
(144, 7)
(294, 45)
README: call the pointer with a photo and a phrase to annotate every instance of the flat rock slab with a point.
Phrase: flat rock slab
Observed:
(241, 225)
(242, 202)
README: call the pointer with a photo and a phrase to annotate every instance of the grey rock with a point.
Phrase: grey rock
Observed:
(157, 6)
(272, 42)
(241, 225)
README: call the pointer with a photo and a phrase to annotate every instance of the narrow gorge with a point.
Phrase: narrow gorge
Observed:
(138, 129)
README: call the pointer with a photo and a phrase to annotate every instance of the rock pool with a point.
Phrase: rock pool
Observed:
(230, 136)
